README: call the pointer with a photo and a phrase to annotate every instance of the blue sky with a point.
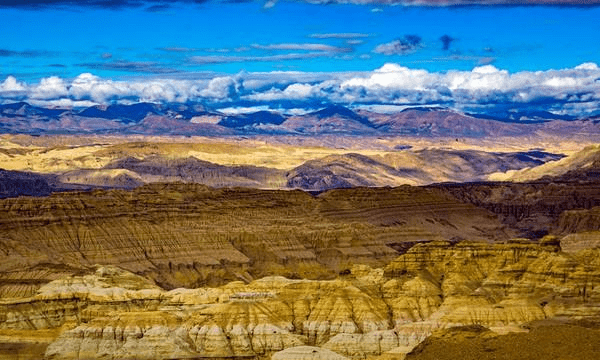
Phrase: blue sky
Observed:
(222, 37)
(44, 48)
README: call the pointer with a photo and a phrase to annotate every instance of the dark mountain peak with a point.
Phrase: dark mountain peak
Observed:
(333, 110)
(24, 109)
(125, 113)
(13, 106)
(250, 119)
(341, 111)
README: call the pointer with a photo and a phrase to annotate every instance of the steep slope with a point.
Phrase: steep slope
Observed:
(251, 120)
(23, 109)
(351, 170)
(581, 166)
(168, 125)
(579, 220)
(532, 208)
(190, 235)
(101, 178)
(133, 113)
(195, 119)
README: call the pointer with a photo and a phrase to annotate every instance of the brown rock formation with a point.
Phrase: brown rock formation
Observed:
(113, 314)
(573, 221)
(532, 208)
(192, 235)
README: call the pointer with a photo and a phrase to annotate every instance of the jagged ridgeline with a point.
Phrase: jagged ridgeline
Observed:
(192, 235)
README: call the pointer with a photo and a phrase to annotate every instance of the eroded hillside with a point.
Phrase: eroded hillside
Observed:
(109, 313)
(191, 235)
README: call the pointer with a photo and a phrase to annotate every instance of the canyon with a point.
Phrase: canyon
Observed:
(162, 248)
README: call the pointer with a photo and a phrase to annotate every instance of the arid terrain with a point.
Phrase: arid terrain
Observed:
(299, 180)
(118, 247)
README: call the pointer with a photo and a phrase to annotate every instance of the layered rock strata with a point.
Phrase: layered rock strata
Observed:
(537, 208)
(191, 235)
(111, 313)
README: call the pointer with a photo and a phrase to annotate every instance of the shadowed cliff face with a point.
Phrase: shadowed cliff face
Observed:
(534, 209)
(16, 183)
(192, 235)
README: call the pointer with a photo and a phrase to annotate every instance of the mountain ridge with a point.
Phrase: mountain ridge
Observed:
(184, 119)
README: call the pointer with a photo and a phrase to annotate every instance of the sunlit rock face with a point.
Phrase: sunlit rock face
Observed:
(110, 313)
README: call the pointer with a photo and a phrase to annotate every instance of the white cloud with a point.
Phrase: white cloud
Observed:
(10, 84)
(50, 88)
(243, 109)
(296, 91)
(587, 66)
(269, 4)
(63, 103)
(221, 88)
(482, 84)
(387, 85)
(90, 86)
(393, 76)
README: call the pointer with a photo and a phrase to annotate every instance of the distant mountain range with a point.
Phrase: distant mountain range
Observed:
(195, 120)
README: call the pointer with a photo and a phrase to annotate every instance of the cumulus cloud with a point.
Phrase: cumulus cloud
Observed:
(221, 88)
(570, 90)
(50, 88)
(10, 84)
(297, 91)
(406, 45)
(484, 84)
